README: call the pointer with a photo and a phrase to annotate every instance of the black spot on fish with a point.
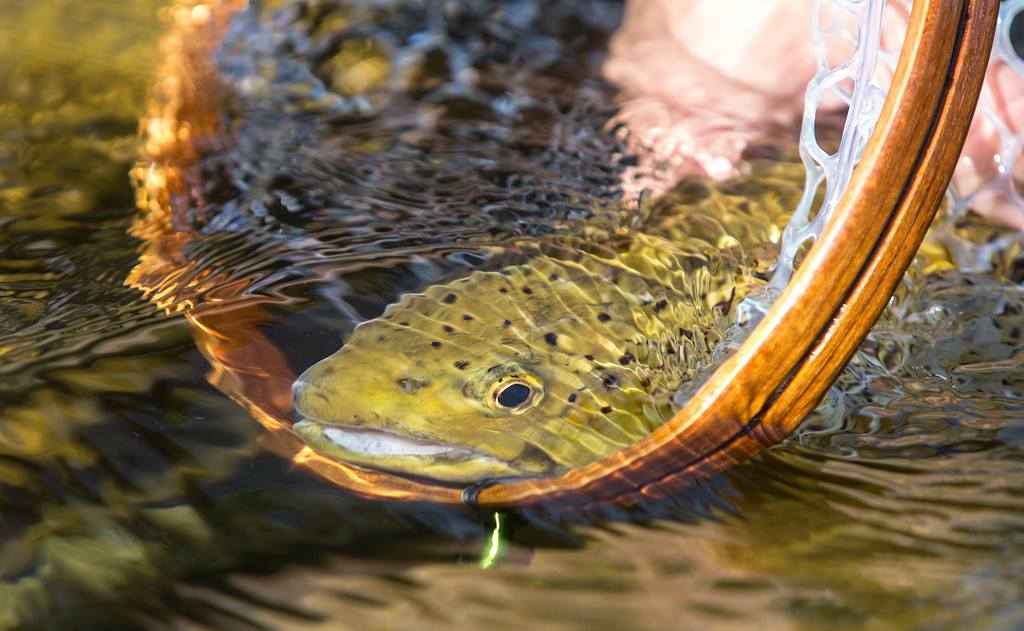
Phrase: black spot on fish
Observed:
(449, 299)
(553, 277)
(436, 344)
(572, 398)
(645, 382)
(448, 329)
(603, 317)
(610, 382)
(1015, 333)
(606, 409)
(506, 324)
(503, 290)
(551, 338)
(589, 358)
(527, 290)
(461, 364)
(661, 304)
(467, 318)
(626, 358)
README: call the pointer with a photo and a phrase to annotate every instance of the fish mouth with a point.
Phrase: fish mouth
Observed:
(397, 453)
(375, 442)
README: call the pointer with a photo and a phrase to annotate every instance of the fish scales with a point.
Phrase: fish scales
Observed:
(540, 366)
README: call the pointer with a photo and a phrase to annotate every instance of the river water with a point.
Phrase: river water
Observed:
(135, 493)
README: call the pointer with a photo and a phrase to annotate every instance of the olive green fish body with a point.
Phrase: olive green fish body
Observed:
(533, 368)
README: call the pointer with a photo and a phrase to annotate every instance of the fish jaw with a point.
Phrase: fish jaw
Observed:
(396, 453)
(353, 411)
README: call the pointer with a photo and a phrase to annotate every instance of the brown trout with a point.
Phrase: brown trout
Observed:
(538, 367)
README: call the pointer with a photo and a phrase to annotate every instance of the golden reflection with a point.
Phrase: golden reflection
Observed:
(251, 370)
(183, 110)
(246, 365)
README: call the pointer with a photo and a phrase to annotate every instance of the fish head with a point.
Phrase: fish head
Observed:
(460, 384)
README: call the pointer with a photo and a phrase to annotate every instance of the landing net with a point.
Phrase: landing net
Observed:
(857, 44)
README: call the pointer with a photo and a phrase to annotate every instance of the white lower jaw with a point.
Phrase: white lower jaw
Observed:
(369, 442)
(402, 454)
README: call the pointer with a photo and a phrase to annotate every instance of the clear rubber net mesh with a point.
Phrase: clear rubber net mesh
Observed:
(993, 179)
(857, 44)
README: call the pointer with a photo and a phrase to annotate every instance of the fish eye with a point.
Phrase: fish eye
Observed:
(506, 388)
(513, 395)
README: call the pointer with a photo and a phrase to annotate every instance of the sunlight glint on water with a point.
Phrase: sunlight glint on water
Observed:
(134, 492)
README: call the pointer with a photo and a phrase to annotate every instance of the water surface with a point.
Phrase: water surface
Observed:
(135, 493)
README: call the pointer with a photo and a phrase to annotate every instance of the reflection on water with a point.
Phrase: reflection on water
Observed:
(135, 492)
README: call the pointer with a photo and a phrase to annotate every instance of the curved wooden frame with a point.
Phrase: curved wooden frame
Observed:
(759, 395)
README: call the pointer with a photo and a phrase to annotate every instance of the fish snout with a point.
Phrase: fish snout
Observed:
(298, 388)
(312, 392)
